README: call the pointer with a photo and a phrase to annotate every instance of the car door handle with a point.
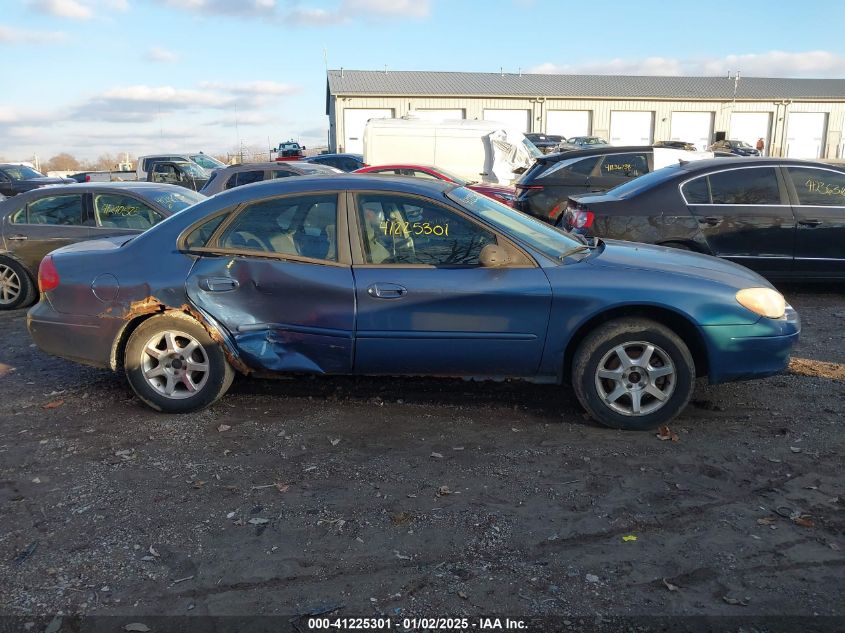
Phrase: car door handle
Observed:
(18, 238)
(386, 291)
(811, 222)
(218, 284)
(710, 220)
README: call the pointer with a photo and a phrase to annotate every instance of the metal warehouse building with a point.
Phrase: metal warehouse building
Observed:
(799, 118)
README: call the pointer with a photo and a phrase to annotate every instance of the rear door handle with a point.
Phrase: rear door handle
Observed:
(710, 220)
(812, 222)
(384, 290)
(18, 238)
(218, 284)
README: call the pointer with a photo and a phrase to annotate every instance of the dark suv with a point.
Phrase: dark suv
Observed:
(542, 191)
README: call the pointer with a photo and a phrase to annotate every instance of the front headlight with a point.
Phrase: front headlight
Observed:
(763, 301)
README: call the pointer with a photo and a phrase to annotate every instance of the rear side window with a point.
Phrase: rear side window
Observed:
(244, 178)
(199, 236)
(281, 173)
(625, 165)
(696, 191)
(818, 187)
(745, 186)
(123, 212)
(304, 226)
(57, 210)
(569, 167)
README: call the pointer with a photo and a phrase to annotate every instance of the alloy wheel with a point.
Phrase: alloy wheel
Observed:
(10, 285)
(635, 378)
(175, 364)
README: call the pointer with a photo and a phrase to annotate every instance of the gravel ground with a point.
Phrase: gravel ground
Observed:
(409, 497)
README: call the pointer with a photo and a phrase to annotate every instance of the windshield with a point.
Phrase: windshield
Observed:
(533, 152)
(194, 170)
(741, 144)
(646, 181)
(206, 161)
(543, 237)
(175, 201)
(21, 172)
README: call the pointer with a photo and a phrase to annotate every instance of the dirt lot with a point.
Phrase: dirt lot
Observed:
(423, 497)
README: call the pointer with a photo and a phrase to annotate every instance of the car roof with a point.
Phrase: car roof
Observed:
(746, 161)
(89, 187)
(601, 149)
(346, 155)
(336, 182)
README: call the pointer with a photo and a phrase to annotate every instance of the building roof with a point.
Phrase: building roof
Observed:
(427, 83)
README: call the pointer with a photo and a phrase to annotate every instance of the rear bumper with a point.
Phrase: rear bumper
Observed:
(83, 339)
(743, 352)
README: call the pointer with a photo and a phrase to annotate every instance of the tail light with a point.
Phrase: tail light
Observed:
(581, 218)
(48, 276)
(87, 177)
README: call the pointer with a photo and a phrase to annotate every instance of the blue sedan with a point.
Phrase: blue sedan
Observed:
(359, 274)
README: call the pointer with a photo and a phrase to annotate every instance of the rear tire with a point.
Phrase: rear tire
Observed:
(17, 289)
(633, 374)
(174, 366)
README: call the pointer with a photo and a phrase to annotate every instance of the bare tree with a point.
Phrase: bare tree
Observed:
(62, 162)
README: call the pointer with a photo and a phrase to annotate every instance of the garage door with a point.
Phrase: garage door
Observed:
(354, 120)
(513, 119)
(432, 114)
(750, 126)
(568, 123)
(805, 133)
(692, 127)
(631, 128)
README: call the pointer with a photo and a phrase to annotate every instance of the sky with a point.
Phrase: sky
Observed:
(89, 77)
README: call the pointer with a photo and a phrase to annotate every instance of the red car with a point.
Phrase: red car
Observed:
(500, 193)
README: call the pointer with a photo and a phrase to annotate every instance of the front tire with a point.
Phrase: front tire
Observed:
(633, 374)
(174, 366)
(17, 290)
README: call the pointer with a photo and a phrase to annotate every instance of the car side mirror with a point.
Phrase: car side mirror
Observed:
(494, 256)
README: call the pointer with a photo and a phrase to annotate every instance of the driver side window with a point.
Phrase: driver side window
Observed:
(399, 229)
(301, 226)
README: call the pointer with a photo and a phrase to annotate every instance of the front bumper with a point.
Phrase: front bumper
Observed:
(743, 352)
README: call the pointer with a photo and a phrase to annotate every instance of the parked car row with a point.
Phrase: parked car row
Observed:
(404, 269)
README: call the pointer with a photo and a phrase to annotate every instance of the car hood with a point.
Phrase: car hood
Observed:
(662, 259)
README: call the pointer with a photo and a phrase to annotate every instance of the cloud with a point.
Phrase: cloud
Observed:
(146, 103)
(73, 9)
(22, 36)
(252, 87)
(297, 12)
(817, 64)
(247, 119)
(387, 8)
(314, 17)
(225, 7)
(161, 55)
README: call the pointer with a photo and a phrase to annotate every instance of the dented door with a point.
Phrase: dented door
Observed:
(283, 315)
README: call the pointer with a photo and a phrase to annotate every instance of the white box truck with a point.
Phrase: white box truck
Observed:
(484, 151)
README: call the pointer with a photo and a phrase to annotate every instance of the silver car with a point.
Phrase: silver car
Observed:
(248, 173)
